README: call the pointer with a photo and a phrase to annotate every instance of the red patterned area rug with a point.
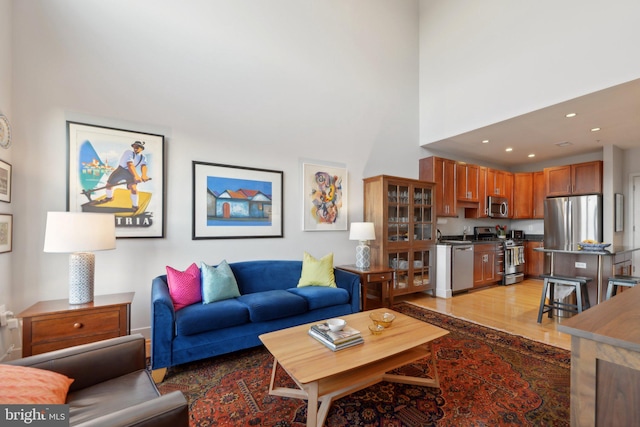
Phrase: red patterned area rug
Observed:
(487, 378)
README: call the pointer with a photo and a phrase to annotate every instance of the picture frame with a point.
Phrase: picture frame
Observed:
(324, 195)
(6, 233)
(97, 182)
(619, 212)
(5, 182)
(235, 202)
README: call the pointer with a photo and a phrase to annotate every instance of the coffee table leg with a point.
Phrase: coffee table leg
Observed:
(312, 404)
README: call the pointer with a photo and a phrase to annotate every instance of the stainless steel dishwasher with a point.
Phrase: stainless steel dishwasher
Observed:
(461, 267)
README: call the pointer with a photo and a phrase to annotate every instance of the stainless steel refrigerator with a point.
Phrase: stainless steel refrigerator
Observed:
(570, 220)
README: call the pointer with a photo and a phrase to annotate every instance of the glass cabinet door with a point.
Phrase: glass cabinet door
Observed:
(398, 213)
(422, 268)
(422, 214)
(399, 261)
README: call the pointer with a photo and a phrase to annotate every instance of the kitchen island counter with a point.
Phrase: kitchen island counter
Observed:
(572, 261)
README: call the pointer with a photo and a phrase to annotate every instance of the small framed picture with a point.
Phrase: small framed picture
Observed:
(6, 233)
(5, 182)
(324, 197)
(120, 172)
(234, 202)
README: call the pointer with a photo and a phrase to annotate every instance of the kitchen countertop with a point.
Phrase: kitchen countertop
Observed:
(573, 249)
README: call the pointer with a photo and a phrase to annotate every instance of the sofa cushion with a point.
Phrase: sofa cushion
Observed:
(218, 283)
(199, 318)
(317, 272)
(321, 296)
(274, 304)
(184, 286)
(23, 385)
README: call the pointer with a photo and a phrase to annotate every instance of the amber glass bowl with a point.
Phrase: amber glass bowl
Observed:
(383, 319)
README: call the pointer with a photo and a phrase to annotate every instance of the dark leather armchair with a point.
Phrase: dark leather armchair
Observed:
(112, 386)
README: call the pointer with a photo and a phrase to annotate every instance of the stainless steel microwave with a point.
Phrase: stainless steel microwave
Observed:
(498, 207)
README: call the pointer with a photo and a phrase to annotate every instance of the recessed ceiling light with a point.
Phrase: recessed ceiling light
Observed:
(509, 149)
(595, 129)
(485, 141)
(531, 155)
(571, 115)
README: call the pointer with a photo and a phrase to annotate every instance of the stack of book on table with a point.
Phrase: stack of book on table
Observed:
(347, 337)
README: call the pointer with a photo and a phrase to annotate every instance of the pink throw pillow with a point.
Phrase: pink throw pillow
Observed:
(184, 286)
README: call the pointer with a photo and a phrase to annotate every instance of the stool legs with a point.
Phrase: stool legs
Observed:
(545, 286)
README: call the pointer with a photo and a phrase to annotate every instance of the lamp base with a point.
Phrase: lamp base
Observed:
(81, 273)
(363, 256)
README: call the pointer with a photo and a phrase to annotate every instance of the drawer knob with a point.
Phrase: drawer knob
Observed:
(77, 325)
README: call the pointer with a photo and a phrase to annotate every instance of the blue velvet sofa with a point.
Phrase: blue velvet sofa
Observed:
(269, 300)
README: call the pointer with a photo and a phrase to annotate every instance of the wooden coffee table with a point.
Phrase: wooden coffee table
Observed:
(323, 375)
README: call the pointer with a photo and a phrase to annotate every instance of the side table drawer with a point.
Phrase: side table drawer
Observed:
(74, 325)
(379, 277)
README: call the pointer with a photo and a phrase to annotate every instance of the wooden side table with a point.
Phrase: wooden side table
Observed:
(372, 279)
(52, 325)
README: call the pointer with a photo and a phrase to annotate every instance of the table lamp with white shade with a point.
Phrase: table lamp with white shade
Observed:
(80, 233)
(363, 232)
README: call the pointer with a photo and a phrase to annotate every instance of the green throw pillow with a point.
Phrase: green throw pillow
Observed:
(218, 283)
(317, 272)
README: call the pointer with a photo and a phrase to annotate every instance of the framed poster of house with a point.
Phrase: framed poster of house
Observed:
(117, 171)
(231, 202)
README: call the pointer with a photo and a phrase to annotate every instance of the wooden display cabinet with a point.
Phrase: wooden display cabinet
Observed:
(403, 212)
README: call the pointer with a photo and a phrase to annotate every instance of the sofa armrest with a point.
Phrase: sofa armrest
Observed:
(350, 282)
(93, 363)
(163, 320)
(170, 410)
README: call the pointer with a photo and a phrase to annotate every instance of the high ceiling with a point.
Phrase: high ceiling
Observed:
(616, 111)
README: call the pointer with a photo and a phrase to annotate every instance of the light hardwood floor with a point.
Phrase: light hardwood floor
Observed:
(513, 309)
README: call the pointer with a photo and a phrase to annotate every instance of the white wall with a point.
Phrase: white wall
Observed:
(6, 259)
(251, 83)
(487, 61)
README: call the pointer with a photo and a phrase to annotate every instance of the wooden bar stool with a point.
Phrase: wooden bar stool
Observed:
(550, 282)
(615, 281)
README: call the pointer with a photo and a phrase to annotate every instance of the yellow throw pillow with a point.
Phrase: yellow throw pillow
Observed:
(317, 272)
(26, 385)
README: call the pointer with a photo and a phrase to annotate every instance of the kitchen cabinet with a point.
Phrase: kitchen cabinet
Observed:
(499, 183)
(522, 195)
(622, 265)
(467, 182)
(533, 260)
(485, 263)
(403, 213)
(576, 179)
(443, 173)
(481, 211)
(539, 194)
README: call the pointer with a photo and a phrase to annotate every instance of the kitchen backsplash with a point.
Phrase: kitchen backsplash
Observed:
(456, 226)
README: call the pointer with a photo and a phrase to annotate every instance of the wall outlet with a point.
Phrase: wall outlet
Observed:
(530, 227)
(581, 265)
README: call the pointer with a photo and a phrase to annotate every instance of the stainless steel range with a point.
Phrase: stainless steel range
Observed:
(513, 262)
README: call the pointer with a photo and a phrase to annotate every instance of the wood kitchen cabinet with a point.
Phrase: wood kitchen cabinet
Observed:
(403, 213)
(481, 211)
(539, 194)
(533, 260)
(522, 195)
(443, 173)
(484, 264)
(467, 182)
(576, 179)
